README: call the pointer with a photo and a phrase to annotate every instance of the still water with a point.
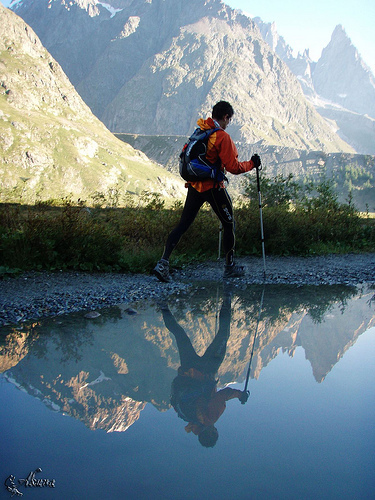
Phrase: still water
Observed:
(88, 400)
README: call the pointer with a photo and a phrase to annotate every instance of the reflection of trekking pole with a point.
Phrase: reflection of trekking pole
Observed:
(220, 232)
(217, 310)
(261, 222)
(255, 335)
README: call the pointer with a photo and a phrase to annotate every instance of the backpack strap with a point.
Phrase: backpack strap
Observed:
(217, 164)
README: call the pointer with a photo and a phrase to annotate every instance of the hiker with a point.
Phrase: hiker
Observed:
(194, 393)
(221, 148)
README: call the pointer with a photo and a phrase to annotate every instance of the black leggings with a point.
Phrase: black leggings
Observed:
(209, 363)
(221, 204)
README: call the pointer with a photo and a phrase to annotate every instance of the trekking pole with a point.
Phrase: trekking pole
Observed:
(261, 222)
(220, 233)
(255, 335)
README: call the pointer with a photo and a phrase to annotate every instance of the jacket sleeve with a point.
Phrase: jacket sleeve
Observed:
(217, 405)
(229, 156)
(228, 393)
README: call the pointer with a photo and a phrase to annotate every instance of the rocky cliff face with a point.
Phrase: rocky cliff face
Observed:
(345, 89)
(154, 67)
(340, 85)
(51, 145)
(341, 76)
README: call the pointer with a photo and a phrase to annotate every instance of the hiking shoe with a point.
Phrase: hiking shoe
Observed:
(234, 271)
(161, 270)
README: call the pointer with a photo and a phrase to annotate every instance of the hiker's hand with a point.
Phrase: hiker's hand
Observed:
(256, 160)
(244, 397)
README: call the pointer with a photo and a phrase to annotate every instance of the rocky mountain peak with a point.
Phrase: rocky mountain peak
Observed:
(340, 37)
(87, 5)
(274, 40)
(340, 86)
(156, 66)
(342, 76)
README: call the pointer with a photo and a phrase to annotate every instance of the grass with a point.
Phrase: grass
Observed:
(63, 235)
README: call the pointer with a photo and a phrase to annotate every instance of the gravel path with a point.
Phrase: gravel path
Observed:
(35, 295)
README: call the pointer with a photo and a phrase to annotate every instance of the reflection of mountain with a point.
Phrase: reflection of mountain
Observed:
(104, 371)
(324, 320)
(116, 413)
(101, 371)
(324, 342)
(15, 348)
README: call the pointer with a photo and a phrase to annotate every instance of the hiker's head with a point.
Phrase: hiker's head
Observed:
(222, 112)
(208, 436)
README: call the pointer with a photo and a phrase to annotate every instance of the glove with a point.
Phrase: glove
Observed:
(256, 160)
(244, 397)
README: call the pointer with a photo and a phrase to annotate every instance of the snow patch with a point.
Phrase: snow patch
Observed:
(101, 378)
(13, 381)
(15, 4)
(51, 404)
(110, 9)
(320, 101)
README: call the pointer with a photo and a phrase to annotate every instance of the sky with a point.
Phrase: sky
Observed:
(309, 24)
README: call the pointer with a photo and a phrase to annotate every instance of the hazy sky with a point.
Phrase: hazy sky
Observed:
(310, 23)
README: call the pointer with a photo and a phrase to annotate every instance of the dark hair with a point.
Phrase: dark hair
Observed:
(221, 109)
(208, 437)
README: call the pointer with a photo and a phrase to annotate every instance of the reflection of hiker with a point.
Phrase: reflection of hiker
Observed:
(194, 393)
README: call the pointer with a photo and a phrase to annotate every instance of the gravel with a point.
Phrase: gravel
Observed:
(36, 295)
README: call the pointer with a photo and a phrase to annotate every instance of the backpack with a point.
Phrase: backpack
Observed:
(193, 163)
(185, 394)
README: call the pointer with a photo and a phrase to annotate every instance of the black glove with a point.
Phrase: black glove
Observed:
(256, 160)
(244, 397)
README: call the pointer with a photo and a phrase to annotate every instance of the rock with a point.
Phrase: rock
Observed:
(92, 315)
(131, 311)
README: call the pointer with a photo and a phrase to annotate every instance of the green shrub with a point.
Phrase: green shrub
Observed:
(62, 235)
(307, 219)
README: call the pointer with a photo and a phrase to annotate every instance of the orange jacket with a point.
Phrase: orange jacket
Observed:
(220, 145)
(209, 413)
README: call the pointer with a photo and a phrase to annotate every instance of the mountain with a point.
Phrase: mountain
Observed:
(340, 85)
(348, 81)
(51, 145)
(346, 89)
(155, 66)
(104, 371)
(350, 172)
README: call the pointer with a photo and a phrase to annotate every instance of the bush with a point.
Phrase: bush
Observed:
(297, 221)
(308, 219)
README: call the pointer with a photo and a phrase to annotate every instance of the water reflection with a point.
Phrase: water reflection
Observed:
(103, 371)
(194, 393)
